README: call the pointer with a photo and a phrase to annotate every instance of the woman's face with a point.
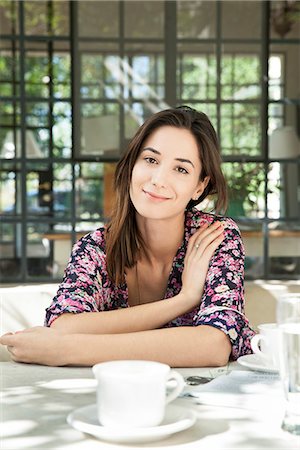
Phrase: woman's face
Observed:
(166, 174)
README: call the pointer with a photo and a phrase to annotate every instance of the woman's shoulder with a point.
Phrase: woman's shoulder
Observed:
(94, 239)
(196, 218)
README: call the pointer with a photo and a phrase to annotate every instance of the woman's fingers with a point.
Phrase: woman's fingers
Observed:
(204, 241)
(203, 237)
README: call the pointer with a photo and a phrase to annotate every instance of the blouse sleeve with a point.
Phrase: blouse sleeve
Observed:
(222, 304)
(80, 290)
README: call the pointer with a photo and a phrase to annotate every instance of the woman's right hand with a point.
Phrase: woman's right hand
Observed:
(201, 247)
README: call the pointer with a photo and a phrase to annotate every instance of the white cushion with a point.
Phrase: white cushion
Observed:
(23, 307)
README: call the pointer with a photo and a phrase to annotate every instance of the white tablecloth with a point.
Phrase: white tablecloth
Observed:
(36, 401)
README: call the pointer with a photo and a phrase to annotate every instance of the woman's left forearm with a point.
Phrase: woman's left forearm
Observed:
(178, 347)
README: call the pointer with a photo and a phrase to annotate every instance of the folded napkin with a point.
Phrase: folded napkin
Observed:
(250, 390)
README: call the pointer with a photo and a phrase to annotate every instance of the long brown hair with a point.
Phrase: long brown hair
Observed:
(123, 239)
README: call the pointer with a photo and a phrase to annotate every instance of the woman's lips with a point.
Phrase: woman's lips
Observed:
(154, 196)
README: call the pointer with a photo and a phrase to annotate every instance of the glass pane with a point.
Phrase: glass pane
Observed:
(9, 20)
(49, 189)
(36, 143)
(284, 130)
(241, 19)
(144, 19)
(240, 129)
(94, 191)
(196, 19)
(61, 18)
(283, 188)
(100, 75)
(61, 74)
(37, 114)
(9, 191)
(10, 241)
(196, 72)
(10, 115)
(276, 75)
(98, 19)
(37, 70)
(59, 238)
(38, 251)
(38, 189)
(47, 18)
(97, 137)
(246, 189)
(252, 236)
(142, 72)
(89, 190)
(284, 249)
(62, 189)
(9, 69)
(36, 18)
(62, 130)
(240, 72)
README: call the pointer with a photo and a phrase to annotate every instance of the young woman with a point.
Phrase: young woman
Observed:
(163, 281)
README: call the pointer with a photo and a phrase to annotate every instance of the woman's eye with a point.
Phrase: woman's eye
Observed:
(150, 160)
(181, 170)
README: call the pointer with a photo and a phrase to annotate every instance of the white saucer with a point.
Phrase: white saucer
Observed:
(177, 418)
(256, 362)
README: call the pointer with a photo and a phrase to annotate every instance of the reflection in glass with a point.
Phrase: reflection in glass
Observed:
(196, 19)
(11, 146)
(10, 115)
(62, 130)
(246, 189)
(252, 237)
(276, 76)
(241, 19)
(37, 72)
(9, 14)
(47, 18)
(100, 76)
(61, 76)
(37, 114)
(283, 185)
(284, 249)
(38, 250)
(197, 75)
(10, 264)
(240, 76)
(8, 192)
(240, 129)
(144, 18)
(98, 19)
(94, 191)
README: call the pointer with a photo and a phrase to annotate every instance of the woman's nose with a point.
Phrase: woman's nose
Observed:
(159, 177)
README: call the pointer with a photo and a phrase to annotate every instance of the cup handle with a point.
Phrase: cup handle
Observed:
(180, 383)
(254, 344)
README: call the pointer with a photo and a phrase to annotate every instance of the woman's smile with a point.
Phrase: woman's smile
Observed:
(155, 197)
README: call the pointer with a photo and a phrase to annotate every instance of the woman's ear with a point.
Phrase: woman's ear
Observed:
(200, 188)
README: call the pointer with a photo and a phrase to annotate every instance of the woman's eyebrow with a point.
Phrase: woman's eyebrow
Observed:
(176, 159)
(185, 160)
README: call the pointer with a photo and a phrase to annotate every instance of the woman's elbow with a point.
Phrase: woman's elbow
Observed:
(224, 351)
(59, 323)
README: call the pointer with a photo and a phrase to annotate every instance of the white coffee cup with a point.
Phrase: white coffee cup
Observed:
(133, 393)
(266, 343)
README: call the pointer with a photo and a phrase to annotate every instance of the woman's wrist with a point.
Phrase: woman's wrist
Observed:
(185, 302)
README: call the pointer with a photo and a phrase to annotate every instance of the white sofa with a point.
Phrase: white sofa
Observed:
(24, 306)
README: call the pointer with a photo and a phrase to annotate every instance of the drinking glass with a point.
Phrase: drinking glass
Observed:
(288, 319)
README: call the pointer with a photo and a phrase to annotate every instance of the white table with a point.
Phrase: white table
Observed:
(35, 401)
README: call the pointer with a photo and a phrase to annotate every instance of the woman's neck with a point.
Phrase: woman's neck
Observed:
(162, 238)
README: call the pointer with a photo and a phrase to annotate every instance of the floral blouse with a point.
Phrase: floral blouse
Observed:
(86, 286)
